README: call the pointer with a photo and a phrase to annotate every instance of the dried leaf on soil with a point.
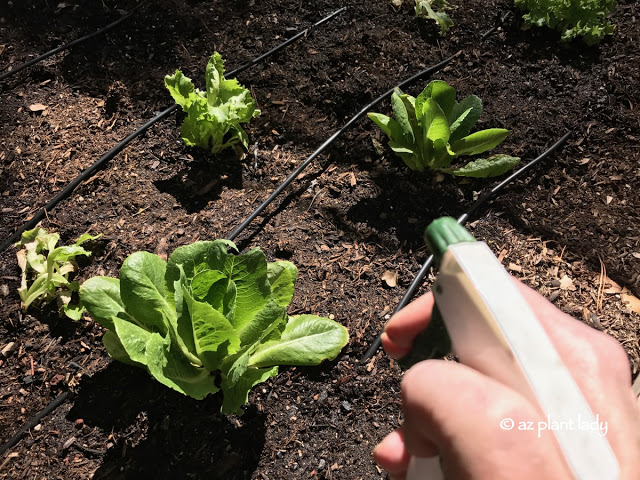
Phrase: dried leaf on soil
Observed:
(566, 283)
(390, 277)
(37, 107)
(613, 286)
(631, 301)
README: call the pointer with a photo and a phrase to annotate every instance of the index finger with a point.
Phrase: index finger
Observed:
(404, 326)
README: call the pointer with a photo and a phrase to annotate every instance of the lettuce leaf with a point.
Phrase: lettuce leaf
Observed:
(425, 9)
(431, 130)
(46, 269)
(208, 314)
(213, 116)
(586, 19)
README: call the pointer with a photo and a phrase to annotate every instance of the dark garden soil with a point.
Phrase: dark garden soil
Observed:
(570, 228)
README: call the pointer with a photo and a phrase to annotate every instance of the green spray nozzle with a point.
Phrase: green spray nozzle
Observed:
(443, 232)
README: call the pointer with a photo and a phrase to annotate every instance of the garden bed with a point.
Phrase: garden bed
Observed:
(353, 215)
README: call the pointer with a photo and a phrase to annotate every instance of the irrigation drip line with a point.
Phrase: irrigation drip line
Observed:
(305, 32)
(34, 421)
(68, 190)
(232, 236)
(69, 45)
(463, 219)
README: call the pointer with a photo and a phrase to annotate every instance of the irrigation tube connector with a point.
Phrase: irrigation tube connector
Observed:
(66, 46)
(232, 236)
(68, 190)
(463, 219)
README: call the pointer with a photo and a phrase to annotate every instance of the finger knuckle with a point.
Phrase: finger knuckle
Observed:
(613, 358)
(604, 358)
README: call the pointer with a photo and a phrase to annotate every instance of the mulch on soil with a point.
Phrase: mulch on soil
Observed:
(570, 228)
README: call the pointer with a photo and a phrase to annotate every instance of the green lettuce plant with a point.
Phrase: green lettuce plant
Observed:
(572, 18)
(46, 270)
(435, 10)
(208, 320)
(214, 115)
(430, 131)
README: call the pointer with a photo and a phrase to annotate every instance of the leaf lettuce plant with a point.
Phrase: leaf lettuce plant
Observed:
(214, 115)
(435, 10)
(46, 268)
(430, 131)
(586, 19)
(208, 320)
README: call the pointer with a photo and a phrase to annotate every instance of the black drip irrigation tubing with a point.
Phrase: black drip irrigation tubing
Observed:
(68, 190)
(463, 219)
(66, 46)
(434, 68)
(256, 60)
(34, 421)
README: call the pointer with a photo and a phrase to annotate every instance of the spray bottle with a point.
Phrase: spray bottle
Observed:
(480, 314)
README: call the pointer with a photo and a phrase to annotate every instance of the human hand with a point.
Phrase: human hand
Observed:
(455, 412)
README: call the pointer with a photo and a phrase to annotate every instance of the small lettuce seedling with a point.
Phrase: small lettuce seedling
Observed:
(49, 274)
(572, 18)
(213, 116)
(208, 320)
(430, 131)
(435, 10)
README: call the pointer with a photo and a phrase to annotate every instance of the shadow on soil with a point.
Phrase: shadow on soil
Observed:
(183, 437)
(405, 204)
(543, 44)
(203, 179)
